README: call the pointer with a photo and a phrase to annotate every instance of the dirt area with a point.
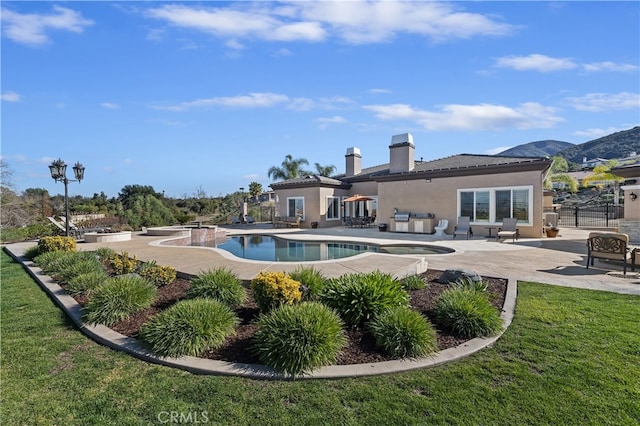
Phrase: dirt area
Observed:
(360, 349)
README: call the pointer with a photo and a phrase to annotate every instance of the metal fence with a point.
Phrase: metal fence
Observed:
(590, 216)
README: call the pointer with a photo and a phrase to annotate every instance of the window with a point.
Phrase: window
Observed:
(333, 208)
(491, 205)
(295, 207)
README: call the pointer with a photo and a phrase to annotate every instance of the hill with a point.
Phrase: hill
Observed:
(547, 148)
(615, 145)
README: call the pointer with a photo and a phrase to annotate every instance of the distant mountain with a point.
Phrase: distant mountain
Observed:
(547, 148)
(615, 145)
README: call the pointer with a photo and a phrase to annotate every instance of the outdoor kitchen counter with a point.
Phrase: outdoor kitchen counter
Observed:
(419, 225)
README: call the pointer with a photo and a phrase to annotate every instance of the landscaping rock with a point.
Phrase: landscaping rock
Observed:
(453, 275)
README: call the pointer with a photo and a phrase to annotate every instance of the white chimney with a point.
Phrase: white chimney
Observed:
(401, 153)
(354, 162)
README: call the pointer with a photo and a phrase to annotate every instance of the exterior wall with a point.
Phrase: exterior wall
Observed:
(315, 204)
(631, 207)
(440, 197)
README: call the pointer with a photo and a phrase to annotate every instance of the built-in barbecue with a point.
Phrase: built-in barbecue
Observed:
(401, 216)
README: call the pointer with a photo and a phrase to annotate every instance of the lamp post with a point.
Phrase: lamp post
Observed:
(58, 170)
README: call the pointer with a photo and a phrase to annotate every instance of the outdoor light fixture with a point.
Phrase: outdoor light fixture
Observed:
(58, 171)
(633, 196)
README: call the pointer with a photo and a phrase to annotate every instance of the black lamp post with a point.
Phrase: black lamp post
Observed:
(58, 170)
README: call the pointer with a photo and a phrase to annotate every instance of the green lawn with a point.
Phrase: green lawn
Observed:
(570, 357)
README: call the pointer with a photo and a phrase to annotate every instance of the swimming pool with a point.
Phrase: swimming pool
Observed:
(273, 249)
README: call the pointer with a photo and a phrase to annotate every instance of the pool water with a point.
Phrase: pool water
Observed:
(273, 249)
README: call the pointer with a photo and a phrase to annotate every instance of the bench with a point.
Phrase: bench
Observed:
(611, 246)
(286, 222)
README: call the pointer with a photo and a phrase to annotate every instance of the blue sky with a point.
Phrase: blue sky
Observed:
(190, 96)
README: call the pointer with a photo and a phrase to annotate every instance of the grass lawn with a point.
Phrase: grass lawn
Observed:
(571, 356)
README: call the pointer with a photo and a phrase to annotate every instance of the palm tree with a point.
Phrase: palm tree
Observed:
(291, 168)
(325, 170)
(602, 173)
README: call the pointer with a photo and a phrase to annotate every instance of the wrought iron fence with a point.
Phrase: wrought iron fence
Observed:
(590, 216)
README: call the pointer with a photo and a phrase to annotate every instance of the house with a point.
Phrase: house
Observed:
(412, 195)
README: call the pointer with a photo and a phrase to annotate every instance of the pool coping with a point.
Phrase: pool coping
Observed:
(106, 336)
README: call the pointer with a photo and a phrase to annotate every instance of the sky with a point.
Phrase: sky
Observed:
(193, 97)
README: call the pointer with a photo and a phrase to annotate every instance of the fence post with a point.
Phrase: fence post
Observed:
(575, 213)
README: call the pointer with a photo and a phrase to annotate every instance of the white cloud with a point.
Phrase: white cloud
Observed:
(352, 22)
(109, 105)
(234, 45)
(323, 122)
(471, 117)
(535, 62)
(302, 104)
(252, 100)
(11, 97)
(282, 52)
(596, 102)
(609, 66)
(31, 29)
(379, 91)
(497, 150)
(591, 134)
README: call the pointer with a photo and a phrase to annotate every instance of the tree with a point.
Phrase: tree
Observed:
(255, 189)
(601, 174)
(325, 170)
(290, 169)
(13, 212)
(147, 210)
(558, 173)
(129, 192)
(37, 202)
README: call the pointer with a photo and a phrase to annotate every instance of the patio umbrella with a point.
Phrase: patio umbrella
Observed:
(356, 198)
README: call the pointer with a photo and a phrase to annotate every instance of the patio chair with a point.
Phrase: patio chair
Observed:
(463, 227)
(60, 226)
(508, 229)
(441, 227)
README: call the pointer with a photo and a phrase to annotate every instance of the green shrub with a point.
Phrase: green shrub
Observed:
(295, 339)
(272, 289)
(359, 297)
(78, 266)
(403, 333)
(105, 253)
(479, 286)
(158, 275)
(86, 283)
(413, 282)
(56, 244)
(467, 312)
(122, 264)
(220, 284)
(43, 260)
(31, 253)
(118, 298)
(34, 231)
(312, 282)
(189, 327)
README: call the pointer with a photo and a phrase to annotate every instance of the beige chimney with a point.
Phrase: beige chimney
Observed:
(354, 162)
(401, 152)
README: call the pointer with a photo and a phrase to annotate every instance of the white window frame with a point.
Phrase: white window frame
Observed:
(338, 202)
(492, 203)
(289, 199)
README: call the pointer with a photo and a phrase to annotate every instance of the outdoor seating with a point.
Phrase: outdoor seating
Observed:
(463, 227)
(286, 222)
(441, 227)
(610, 246)
(508, 229)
